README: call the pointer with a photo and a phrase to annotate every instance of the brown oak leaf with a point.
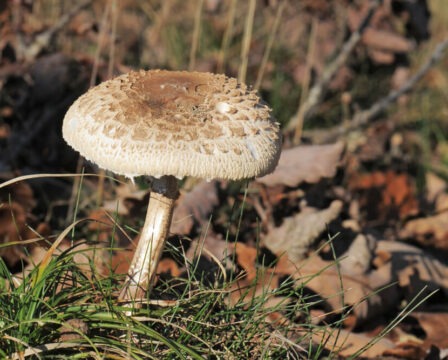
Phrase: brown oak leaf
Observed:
(308, 163)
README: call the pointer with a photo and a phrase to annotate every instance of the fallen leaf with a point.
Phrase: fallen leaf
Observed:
(257, 282)
(84, 256)
(106, 227)
(409, 350)
(245, 257)
(128, 199)
(435, 327)
(386, 41)
(322, 277)
(308, 163)
(441, 203)
(385, 195)
(428, 231)
(116, 207)
(358, 258)
(101, 221)
(87, 254)
(381, 57)
(435, 186)
(411, 267)
(346, 343)
(244, 290)
(399, 337)
(13, 229)
(340, 290)
(404, 271)
(373, 145)
(168, 265)
(400, 192)
(71, 330)
(296, 234)
(213, 244)
(382, 39)
(194, 207)
(402, 275)
(19, 192)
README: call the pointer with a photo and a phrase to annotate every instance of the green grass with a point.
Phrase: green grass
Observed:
(200, 321)
(196, 320)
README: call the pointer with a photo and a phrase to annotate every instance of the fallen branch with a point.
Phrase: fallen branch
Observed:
(363, 117)
(319, 89)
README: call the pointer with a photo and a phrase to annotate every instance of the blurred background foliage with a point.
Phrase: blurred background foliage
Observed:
(135, 34)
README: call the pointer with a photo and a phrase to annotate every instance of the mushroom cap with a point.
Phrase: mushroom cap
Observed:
(176, 123)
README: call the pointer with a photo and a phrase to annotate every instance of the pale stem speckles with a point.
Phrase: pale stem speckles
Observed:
(152, 240)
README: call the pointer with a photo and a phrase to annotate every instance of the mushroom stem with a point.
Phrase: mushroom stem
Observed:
(152, 240)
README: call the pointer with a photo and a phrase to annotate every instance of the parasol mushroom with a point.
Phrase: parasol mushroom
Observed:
(167, 125)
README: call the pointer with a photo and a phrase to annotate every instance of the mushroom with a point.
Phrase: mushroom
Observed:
(167, 125)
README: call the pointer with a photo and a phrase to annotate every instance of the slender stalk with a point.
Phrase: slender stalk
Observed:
(99, 46)
(267, 52)
(75, 189)
(196, 34)
(306, 79)
(226, 38)
(110, 73)
(113, 38)
(152, 239)
(246, 41)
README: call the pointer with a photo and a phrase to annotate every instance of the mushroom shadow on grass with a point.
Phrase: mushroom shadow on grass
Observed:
(167, 125)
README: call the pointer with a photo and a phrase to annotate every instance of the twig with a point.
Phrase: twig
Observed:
(226, 38)
(196, 34)
(246, 41)
(110, 73)
(363, 117)
(44, 39)
(307, 78)
(267, 52)
(99, 46)
(318, 91)
(113, 38)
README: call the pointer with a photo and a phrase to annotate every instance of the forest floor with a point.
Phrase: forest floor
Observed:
(341, 252)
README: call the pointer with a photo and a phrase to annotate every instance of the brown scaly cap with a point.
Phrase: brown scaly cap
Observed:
(174, 123)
